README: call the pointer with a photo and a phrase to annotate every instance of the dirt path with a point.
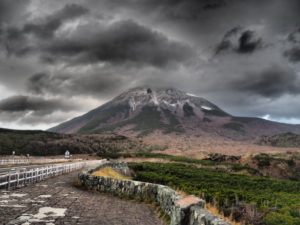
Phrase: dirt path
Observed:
(57, 201)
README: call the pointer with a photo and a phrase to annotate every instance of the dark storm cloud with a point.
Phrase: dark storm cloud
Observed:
(294, 37)
(43, 83)
(90, 84)
(204, 21)
(248, 42)
(45, 27)
(20, 41)
(12, 10)
(28, 110)
(293, 52)
(271, 83)
(22, 103)
(195, 9)
(91, 49)
(120, 42)
(239, 40)
(175, 9)
(183, 9)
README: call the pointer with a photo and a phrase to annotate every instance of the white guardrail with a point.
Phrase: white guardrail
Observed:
(10, 161)
(30, 175)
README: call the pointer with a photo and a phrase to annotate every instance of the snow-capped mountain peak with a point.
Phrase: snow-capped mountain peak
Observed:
(143, 111)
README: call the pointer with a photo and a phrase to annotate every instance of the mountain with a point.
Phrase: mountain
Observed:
(143, 112)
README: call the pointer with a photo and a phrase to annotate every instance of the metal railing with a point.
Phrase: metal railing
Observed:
(11, 161)
(25, 176)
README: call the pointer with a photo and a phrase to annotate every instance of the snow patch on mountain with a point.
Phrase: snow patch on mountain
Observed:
(132, 104)
(154, 98)
(192, 95)
(206, 107)
(169, 104)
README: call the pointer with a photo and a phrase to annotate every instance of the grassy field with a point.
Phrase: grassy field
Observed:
(257, 200)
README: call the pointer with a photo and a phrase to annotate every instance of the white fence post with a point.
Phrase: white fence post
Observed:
(8, 180)
(24, 176)
(17, 184)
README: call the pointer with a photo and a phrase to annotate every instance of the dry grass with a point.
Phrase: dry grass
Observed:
(243, 172)
(215, 211)
(181, 192)
(211, 209)
(109, 172)
(194, 146)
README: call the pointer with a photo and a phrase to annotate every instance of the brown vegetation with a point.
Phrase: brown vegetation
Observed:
(109, 172)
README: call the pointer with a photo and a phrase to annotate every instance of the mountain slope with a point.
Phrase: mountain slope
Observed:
(144, 111)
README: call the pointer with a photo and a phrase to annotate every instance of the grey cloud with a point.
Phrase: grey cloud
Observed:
(183, 9)
(95, 84)
(293, 54)
(271, 83)
(243, 104)
(43, 83)
(158, 43)
(37, 119)
(178, 9)
(239, 40)
(19, 40)
(120, 42)
(12, 11)
(293, 51)
(37, 104)
(248, 42)
(294, 37)
(32, 110)
(190, 19)
(45, 27)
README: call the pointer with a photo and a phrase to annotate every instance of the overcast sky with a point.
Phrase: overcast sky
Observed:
(62, 58)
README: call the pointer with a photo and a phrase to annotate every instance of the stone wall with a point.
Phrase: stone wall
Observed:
(182, 210)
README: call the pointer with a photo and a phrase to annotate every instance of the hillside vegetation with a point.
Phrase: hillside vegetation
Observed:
(147, 122)
(233, 167)
(290, 140)
(256, 200)
(46, 143)
(285, 166)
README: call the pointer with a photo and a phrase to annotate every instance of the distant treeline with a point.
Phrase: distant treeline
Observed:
(41, 143)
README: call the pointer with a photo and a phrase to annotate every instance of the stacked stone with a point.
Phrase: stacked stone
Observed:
(180, 209)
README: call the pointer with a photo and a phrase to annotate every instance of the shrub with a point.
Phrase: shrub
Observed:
(276, 202)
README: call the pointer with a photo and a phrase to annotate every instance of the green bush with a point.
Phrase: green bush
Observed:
(278, 199)
(232, 166)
